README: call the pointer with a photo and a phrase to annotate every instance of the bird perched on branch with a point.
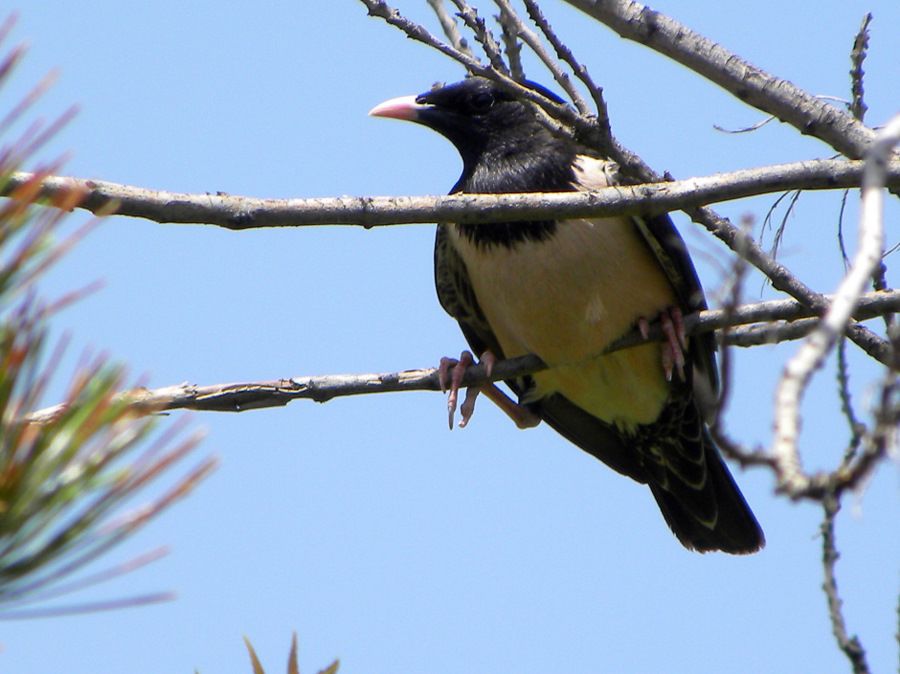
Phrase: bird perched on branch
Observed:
(564, 290)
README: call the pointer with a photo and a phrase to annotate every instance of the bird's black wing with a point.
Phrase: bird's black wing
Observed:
(670, 251)
(686, 474)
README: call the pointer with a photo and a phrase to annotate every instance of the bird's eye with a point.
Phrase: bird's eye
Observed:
(482, 102)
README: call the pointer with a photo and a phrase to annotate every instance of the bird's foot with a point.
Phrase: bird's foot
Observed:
(671, 321)
(450, 375)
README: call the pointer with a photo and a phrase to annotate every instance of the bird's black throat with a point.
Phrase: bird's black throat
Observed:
(517, 167)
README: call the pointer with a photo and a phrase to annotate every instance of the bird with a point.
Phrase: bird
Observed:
(564, 290)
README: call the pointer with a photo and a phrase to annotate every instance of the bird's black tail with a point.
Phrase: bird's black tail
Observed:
(691, 484)
(678, 460)
(715, 517)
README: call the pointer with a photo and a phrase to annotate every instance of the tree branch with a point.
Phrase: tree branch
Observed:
(239, 397)
(782, 279)
(531, 38)
(580, 70)
(754, 86)
(448, 25)
(511, 45)
(483, 35)
(237, 212)
(858, 54)
(851, 646)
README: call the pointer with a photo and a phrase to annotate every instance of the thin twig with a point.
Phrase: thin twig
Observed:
(483, 35)
(731, 306)
(845, 258)
(565, 54)
(746, 129)
(511, 45)
(728, 336)
(531, 38)
(448, 25)
(858, 55)
(793, 198)
(857, 428)
(415, 31)
(851, 646)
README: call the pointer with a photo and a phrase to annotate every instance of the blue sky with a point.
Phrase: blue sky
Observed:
(363, 524)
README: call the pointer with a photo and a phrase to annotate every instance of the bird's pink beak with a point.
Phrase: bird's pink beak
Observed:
(404, 107)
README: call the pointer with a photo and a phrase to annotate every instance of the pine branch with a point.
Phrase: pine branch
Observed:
(67, 495)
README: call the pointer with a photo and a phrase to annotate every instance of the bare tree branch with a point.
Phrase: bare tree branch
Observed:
(239, 397)
(531, 38)
(858, 54)
(782, 279)
(414, 31)
(483, 35)
(448, 25)
(857, 428)
(565, 54)
(512, 47)
(775, 96)
(851, 646)
(858, 109)
(798, 371)
(237, 212)
(244, 213)
(790, 312)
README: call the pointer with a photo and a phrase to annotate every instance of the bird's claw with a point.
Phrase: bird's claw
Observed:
(467, 409)
(671, 322)
(451, 373)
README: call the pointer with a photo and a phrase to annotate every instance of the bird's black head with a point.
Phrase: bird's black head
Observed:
(503, 146)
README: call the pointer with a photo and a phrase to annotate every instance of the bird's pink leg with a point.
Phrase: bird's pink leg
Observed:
(671, 321)
(522, 416)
